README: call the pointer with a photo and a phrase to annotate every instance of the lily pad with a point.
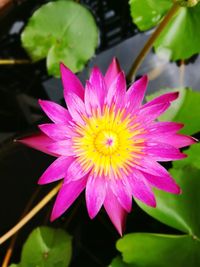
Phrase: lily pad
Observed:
(46, 247)
(156, 250)
(193, 158)
(61, 31)
(180, 38)
(147, 13)
(185, 109)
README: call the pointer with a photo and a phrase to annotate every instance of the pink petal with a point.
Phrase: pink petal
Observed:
(136, 92)
(164, 128)
(70, 82)
(76, 171)
(56, 171)
(151, 113)
(63, 148)
(164, 183)
(149, 165)
(66, 196)
(55, 112)
(176, 140)
(98, 83)
(162, 99)
(121, 190)
(92, 101)
(38, 141)
(95, 194)
(117, 90)
(56, 131)
(163, 152)
(115, 211)
(141, 189)
(112, 72)
(76, 108)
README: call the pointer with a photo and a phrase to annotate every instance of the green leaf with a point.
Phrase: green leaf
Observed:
(156, 250)
(180, 38)
(189, 112)
(147, 13)
(61, 31)
(185, 109)
(179, 211)
(47, 247)
(193, 158)
(118, 262)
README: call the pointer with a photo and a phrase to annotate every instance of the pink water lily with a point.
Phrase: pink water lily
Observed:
(108, 143)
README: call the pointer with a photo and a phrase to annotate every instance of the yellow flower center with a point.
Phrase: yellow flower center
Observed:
(106, 144)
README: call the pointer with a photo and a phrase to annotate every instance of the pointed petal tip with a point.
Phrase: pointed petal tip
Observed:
(53, 217)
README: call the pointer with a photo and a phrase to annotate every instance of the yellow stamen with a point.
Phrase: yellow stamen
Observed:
(106, 144)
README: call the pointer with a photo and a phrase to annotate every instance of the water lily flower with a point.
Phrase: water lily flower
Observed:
(108, 143)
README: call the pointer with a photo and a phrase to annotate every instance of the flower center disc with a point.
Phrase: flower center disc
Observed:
(106, 142)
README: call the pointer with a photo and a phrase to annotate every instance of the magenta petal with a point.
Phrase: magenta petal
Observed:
(92, 102)
(121, 190)
(116, 91)
(151, 113)
(98, 83)
(56, 131)
(76, 108)
(149, 165)
(55, 112)
(141, 189)
(163, 152)
(164, 183)
(38, 141)
(177, 140)
(163, 127)
(136, 92)
(70, 82)
(162, 99)
(95, 194)
(66, 196)
(76, 171)
(56, 171)
(63, 148)
(115, 211)
(112, 72)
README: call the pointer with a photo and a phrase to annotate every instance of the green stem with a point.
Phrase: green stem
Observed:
(151, 41)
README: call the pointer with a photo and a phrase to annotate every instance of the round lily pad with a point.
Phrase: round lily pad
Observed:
(61, 31)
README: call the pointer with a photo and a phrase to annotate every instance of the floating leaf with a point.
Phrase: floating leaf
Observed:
(147, 13)
(180, 38)
(156, 250)
(185, 109)
(193, 158)
(46, 247)
(61, 31)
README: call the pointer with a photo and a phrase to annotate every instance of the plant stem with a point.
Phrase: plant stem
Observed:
(30, 215)
(151, 41)
(10, 248)
(14, 61)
